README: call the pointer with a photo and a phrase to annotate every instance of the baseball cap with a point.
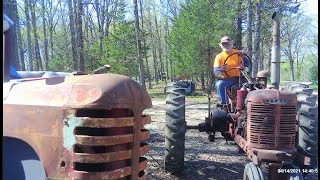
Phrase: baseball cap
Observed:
(225, 39)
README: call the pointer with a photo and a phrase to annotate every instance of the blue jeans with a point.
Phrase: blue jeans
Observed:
(221, 85)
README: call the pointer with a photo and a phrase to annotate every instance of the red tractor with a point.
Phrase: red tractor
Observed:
(277, 128)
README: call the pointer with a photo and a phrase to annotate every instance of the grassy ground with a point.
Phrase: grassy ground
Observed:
(157, 92)
(313, 85)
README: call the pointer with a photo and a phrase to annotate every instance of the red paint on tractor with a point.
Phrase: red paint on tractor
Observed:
(102, 114)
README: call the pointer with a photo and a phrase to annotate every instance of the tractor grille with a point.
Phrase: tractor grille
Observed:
(272, 126)
(107, 147)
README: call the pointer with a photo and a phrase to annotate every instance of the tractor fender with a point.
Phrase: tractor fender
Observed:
(20, 161)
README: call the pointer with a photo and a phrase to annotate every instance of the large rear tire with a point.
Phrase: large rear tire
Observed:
(175, 128)
(307, 118)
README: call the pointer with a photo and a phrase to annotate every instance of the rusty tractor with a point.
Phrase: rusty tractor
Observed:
(276, 128)
(72, 126)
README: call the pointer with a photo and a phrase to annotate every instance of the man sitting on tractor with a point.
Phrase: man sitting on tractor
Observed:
(227, 67)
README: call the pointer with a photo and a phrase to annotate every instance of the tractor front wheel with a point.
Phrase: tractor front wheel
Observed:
(175, 128)
(252, 172)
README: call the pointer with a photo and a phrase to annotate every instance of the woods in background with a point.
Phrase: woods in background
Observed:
(155, 39)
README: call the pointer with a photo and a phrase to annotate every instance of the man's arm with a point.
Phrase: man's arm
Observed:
(218, 66)
(245, 60)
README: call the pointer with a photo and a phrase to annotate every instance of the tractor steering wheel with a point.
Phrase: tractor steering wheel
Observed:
(242, 63)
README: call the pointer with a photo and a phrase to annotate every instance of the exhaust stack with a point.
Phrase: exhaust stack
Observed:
(275, 53)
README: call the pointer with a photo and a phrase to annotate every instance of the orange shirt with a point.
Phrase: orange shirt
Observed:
(232, 61)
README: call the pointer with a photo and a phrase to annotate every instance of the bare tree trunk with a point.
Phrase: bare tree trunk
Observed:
(155, 61)
(34, 24)
(211, 80)
(91, 25)
(145, 46)
(50, 19)
(98, 8)
(249, 28)
(291, 60)
(87, 44)
(30, 51)
(80, 35)
(257, 39)
(20, 45)
(202, 80)
(289, 53)
(104, 17)
(166, 45)
(239, 26)
(154, 49)
(112, 11)
(46, 55)
(52, 12)
(298, 72)
(159, 47)
(261, 65)
(10, 9)
(269, 59)
(73, 37)
(64, 26)
(138, 40)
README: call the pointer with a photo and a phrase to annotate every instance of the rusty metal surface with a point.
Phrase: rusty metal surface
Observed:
(264, 155)
(271, 119)
(112, 140)
(258, 96)
(42, 92)
(110, 122)
(105, 122)
(98, 90)
(274, 155)
(137, 138)
(146, 119)
(41, 128)
(118, 143)
(38, 112)
(119, 92)
(107, 157)
(114, 174)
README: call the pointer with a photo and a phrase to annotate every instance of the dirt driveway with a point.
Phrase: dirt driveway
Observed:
(203, 159)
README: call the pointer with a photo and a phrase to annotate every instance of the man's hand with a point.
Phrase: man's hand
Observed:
(240, 67)
(241, 53)
(223, 67)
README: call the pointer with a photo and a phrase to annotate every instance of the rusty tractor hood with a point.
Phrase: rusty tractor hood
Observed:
(271, 96)
(96, 91)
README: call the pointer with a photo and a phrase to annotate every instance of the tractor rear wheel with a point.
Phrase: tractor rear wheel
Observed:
(252, 172)
(307, 118)
(175, 128)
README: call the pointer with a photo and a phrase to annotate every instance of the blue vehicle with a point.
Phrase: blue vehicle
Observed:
(190, 86)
